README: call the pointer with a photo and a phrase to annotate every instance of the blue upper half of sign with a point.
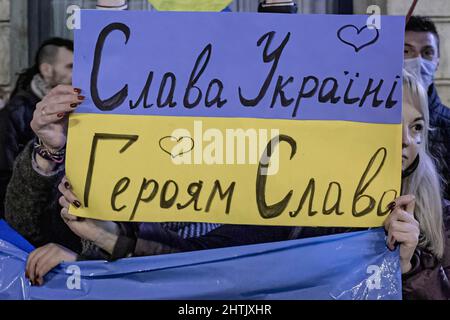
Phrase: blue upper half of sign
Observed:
(304, 67)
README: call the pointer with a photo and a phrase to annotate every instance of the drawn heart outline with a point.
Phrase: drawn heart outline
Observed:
(357, 49)
(172, 138)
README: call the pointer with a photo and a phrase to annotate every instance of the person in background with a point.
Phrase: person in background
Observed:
(53, 66)
(422, 56)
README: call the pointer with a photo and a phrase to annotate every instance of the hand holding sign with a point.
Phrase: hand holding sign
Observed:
(49, 119)
(102, 233)
(50, 122)
(403, 228)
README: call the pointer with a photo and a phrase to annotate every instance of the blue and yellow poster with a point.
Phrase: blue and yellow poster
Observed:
(237, 118)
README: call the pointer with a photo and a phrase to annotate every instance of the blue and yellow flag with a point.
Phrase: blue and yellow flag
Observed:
(353, 266)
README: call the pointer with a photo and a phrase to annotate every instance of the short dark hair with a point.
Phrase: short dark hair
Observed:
(46, 53)
(422, 24)
(48, 49)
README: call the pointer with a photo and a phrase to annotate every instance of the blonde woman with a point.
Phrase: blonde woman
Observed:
(420, 219)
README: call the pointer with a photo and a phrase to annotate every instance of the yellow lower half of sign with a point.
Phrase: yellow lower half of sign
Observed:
(233, 170)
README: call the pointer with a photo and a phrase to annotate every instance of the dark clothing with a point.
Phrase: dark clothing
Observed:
(16, 120)
(144, 239)
(32, 206)
(429, 278)
(439, 139)
(4, 172)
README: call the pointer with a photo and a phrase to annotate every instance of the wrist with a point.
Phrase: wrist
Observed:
(50, 149)
(405, 266)
(46, 167)
(44, 152)
(106, 240)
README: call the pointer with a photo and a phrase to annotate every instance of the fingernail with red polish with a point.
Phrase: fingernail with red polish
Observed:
(77, 90)
(77, 203)
(60, 115)
(74, 105)
(391, 206)
(67, 185)
(81, 97)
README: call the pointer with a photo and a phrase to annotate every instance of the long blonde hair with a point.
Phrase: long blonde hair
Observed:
(424, 182)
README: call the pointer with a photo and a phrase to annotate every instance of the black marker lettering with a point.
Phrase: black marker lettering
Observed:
(118, 98)
(273, 56)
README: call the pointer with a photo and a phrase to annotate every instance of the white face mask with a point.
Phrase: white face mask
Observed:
(422, 69)
(2, 104)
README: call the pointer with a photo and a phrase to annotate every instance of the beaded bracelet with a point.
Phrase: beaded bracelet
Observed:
(44, 152)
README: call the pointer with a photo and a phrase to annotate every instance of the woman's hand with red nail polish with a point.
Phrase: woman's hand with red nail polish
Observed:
(403, 228)
(102, 233)
(49, 121)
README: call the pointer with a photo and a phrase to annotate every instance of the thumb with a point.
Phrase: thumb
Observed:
(406, 202)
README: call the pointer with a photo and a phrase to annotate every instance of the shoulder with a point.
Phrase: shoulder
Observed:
(23, 99)
(440, 114)
(21, 107)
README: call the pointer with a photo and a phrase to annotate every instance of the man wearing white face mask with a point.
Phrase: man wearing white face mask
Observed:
(422, 60)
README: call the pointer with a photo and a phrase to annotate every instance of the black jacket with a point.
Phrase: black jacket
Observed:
(15, 120)
(439, 139)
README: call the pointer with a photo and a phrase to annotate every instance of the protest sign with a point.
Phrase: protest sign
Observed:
(236, 118)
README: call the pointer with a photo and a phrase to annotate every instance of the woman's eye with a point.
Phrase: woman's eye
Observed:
(418, 127)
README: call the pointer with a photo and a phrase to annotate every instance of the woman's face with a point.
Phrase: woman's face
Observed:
(413, 131)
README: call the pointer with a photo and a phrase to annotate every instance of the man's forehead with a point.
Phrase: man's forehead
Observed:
(64, 54)
(420, 38)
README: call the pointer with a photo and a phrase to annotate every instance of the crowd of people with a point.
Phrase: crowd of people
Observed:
(38, 194)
